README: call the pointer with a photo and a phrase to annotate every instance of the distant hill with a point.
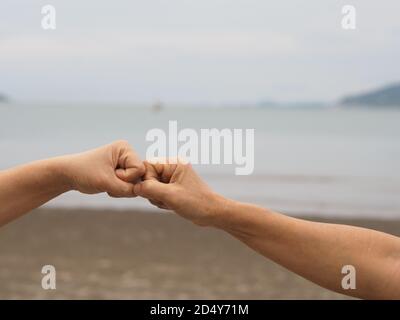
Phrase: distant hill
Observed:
(387, 96)
(298, 104)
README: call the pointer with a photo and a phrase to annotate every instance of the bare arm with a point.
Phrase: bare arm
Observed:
(319, 251)
(27, 187)
(112, 168)
(316, 251)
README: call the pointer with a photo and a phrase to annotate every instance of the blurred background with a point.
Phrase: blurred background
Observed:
(324, 102)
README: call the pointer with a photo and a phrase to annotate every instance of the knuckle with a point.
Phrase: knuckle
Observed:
(141, 169)
(121, 143)
(128, 191)
(146, 186)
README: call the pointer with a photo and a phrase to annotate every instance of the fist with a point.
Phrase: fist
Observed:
(114, 168)
(177, 187)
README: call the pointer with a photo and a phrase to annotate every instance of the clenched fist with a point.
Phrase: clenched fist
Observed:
(177, 187)
(113, 168)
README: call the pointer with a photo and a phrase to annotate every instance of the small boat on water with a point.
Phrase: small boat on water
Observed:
(157, 106)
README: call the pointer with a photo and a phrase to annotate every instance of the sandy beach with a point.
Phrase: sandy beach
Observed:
(142, 255)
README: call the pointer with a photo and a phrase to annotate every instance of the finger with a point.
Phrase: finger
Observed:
(118, 188)
(150, 172)
(152, 189)
(132, 175)
(167, 172)
(159, 171)
(130, 167)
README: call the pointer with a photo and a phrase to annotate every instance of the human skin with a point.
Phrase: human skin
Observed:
(315, 251)
(113, 168)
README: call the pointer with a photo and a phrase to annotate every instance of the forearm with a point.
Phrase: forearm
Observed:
(29, 186)
(318, 251)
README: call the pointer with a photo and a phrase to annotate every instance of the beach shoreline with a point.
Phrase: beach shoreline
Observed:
(137, 254)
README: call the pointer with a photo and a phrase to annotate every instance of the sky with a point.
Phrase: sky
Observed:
(194, 52)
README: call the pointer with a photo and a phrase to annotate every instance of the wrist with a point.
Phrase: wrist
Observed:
(237, 217)
(221, 211)
(60, 169)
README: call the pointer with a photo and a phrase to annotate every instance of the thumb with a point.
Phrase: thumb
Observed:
(118, 188)
(153, 189)
(130, 174)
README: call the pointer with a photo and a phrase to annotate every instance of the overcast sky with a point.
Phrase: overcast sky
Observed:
(188, 51)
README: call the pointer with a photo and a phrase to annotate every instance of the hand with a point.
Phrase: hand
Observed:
(113, 168)
(177, 187)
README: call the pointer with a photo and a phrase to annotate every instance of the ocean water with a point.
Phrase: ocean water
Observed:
(319, 162)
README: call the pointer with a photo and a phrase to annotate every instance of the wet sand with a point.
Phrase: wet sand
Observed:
(142, 255)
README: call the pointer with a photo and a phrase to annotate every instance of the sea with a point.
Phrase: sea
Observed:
(327, 162)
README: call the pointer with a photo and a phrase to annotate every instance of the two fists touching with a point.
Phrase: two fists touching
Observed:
(291, 242)
(177, 187)
(117, 170)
